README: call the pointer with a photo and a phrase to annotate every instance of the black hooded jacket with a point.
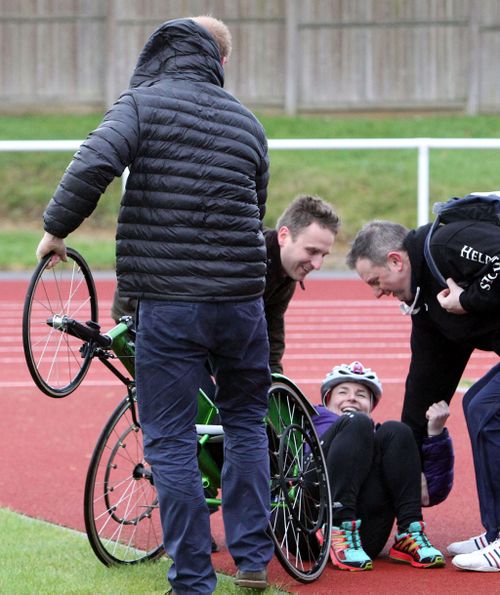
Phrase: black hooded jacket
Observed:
(441, 342)
(189, 226)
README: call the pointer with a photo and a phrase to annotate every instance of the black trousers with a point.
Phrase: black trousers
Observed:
(375, 476)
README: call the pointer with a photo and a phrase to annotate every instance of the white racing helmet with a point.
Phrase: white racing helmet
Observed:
(354, 372)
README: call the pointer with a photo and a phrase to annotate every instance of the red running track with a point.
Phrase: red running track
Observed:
(47, 443)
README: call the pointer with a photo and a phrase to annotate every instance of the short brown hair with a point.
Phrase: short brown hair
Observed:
(304, 210)
(219, 32)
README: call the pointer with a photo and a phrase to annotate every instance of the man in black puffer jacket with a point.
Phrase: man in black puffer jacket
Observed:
(190, 248)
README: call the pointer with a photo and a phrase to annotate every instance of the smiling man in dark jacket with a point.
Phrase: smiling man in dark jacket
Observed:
(447, 325)
(190, 248)
(304, 235)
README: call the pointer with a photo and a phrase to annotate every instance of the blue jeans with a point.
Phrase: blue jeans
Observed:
(173, 342)
(481, 405)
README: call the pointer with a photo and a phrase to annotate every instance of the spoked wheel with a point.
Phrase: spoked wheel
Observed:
(300, 492)
(54, 358)
(122, 517)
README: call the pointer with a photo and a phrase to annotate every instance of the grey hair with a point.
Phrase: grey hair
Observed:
(304, 210)
(375, 240)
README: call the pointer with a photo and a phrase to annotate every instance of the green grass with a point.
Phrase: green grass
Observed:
(41, 558)
(361, 184)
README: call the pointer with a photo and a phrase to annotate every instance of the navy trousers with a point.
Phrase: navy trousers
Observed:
(173, 342)
(481, 405)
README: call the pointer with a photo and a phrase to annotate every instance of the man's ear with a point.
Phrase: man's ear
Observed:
(283, 233)
(395, 260)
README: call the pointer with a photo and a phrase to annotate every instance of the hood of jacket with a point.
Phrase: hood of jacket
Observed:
(179, 48)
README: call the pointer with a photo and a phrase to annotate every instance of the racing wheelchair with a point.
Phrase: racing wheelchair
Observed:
(61, 337)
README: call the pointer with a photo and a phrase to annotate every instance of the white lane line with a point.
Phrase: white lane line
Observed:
(349, 355)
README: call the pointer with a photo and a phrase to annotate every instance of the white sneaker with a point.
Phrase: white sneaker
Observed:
(485, 560)
(468, 546)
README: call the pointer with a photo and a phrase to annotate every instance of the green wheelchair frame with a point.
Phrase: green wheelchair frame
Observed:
(120, 504)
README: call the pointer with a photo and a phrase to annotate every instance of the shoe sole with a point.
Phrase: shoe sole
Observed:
(250, 584)
(341, 566)
(407, 559)
(481, 569)
(453, 552)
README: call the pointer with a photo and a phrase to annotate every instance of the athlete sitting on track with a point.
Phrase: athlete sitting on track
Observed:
(375, 473)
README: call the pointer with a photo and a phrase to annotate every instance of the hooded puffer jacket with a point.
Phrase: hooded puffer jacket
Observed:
(189, 226)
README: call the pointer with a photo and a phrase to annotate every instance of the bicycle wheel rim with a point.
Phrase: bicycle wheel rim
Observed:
(298, 510)
(121, 510)
(53, 358)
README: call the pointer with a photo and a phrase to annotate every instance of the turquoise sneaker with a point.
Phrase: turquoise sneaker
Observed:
(346, 551)
(414, 547)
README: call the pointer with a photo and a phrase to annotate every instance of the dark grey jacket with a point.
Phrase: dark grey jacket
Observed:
(189, 226)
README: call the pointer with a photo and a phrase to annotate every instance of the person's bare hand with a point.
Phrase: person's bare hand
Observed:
(436, 415)
(449, 298)
(50, 243)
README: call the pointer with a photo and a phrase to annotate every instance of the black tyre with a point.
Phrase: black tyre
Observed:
(122, 516)
(54, 357)
(300, 492)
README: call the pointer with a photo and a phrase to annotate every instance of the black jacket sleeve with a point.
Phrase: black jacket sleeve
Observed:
(275, 317)
(262, 181)
(102, 156)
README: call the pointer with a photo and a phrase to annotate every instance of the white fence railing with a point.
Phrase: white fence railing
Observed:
(421, 144)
